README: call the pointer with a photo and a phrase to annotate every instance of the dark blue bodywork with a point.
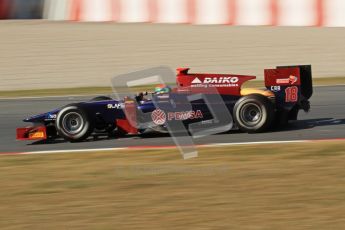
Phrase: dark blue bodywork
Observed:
(108, 111)
(93, 108)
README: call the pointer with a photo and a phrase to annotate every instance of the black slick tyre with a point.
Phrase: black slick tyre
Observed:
(254, 113)
(73, 124)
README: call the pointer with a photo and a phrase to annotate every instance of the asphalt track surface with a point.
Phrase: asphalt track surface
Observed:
(326, 120)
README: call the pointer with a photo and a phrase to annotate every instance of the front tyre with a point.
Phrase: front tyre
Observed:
(73, 124)
(254, 113)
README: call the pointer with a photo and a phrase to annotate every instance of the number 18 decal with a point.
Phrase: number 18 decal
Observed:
(291, 94)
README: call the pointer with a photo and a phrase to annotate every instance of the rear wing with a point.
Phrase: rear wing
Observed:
(306, 79)
(290, 84)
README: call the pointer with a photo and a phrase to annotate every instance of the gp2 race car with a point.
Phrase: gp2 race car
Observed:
(288, 89)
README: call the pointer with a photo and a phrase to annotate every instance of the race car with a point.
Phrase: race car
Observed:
(288, 90)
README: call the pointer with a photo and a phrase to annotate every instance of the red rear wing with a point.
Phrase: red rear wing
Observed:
(226, 84)
(291, 85)
(285, 76)
(282, 77)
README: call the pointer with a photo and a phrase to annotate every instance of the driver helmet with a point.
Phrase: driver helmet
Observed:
(162, 88)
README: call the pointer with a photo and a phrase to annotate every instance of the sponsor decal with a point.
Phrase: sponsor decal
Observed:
(291, 94)
(207, 122)
(291, 80)
(196, 81)
(114, 106)
(275, 88)
(184, 115)
(215, 82)
(158, 117)
(51, 116)
(38, 134)
(221, 80)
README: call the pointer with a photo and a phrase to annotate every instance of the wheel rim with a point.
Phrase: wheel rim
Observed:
(251, 114)
(73, 123)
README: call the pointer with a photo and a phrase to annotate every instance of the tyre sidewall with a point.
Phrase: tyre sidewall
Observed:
(266, 109)
(85, 131)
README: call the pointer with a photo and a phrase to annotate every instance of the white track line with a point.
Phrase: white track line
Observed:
(165, 147)
(73, 151)
(255, 143)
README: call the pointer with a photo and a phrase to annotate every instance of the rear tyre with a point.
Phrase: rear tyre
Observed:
(254, 113)
(73, 124)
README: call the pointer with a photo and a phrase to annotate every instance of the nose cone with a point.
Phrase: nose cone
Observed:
(27, 119)
(35, 118)
(50, 116)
